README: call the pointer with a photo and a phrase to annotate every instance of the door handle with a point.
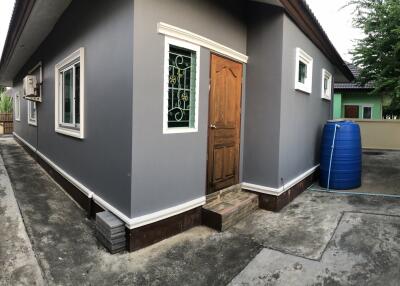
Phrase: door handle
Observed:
(212, 126)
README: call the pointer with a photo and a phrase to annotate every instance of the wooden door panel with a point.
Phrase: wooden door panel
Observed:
(224, 137)
(229, 162)
(219, 163)
(230, 103)
(224, 123)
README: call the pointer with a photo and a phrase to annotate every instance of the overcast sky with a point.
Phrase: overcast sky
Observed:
(335, 21)
(337, 24)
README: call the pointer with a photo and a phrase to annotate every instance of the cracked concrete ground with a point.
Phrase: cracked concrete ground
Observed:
(18, 265)
(319, 239)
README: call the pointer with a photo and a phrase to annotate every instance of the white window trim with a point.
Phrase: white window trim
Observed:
(327, 74)
(305, 58)
(32, 121)
(171, 41)
(362, 112)
(59, 67)
(17, 106)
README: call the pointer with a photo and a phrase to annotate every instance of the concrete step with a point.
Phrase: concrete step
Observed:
(228, 208)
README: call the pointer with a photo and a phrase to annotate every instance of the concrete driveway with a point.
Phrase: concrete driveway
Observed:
(319, 239)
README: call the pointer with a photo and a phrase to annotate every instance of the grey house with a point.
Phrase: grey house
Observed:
(146, 108)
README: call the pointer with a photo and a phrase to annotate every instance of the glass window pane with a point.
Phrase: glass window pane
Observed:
(32, 106)
(77, 93)
(302, 72)
(181, 87)
(67, 96)
(325, 84)
(367, 113)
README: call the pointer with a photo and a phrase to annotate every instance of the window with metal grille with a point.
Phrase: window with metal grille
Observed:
(181, 87)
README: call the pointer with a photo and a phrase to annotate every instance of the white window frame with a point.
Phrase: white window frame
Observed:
(326, 75)
(17, 106)
(302, 56)
(65, 64)
(179, 43)
(362, 113)
(32, 120)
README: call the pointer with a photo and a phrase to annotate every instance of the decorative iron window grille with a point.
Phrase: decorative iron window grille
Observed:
(181, 87)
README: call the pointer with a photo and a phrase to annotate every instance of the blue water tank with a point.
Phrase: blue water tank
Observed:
(346, 158)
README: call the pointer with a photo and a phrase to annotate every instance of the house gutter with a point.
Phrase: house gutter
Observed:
(301, 14)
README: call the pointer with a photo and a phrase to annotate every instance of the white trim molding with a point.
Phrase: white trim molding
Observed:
(166, 213)
(280, 190)
(196, 39)
(303, 57)
(78, 132)
(326, 94)
(32, 120)
(130, 223)
(59, 170)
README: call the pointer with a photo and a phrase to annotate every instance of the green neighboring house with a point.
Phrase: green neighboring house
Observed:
(352, 100)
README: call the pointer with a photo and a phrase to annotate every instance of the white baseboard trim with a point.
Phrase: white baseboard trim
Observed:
(280, 190)
(63, 173)
(166, 213)
(130, 223)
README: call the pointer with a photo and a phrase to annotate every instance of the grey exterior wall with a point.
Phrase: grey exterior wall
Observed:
(102, 160)
(171, 169)
(302, 115)
(263, 95)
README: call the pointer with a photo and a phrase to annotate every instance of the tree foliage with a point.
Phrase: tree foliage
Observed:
(6, 102)
(378, 53)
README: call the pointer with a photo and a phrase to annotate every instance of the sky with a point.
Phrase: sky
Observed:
(336, 22)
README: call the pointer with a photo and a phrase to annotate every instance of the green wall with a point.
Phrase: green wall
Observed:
(357, 98)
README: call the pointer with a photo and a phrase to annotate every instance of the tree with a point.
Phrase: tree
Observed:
(378, 53)
(6, 102)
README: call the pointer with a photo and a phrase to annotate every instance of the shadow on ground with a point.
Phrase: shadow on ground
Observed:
(64, 243)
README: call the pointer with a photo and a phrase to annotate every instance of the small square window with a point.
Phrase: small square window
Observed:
(69, 95)
(181, 86)
(326, 90)
(304, 67)
(367, 112)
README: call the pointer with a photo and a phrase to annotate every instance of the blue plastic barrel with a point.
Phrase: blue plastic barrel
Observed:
(345, 168)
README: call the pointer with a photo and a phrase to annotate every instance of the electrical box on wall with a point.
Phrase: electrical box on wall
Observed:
(31, 88)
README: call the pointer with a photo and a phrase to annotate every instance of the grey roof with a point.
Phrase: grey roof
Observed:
(353, 85)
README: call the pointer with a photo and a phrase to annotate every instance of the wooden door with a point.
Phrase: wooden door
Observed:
(351, 111)
(224, 123)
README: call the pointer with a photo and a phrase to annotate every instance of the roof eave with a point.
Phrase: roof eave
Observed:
(31, 22)
(301, 14)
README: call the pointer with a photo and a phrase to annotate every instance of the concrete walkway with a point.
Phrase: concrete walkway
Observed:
(319, 239)
(380, 173)
(18, 264)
